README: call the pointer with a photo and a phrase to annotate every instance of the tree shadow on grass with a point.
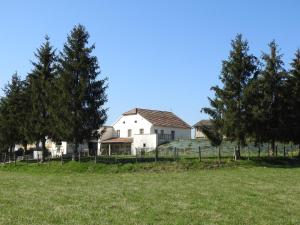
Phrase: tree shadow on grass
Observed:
(276, 162)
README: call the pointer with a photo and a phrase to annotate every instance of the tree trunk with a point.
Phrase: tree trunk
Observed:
(272, 147)
(238, 151)
(25, 148)
(11, 152)
(75, 151)
(43, 149)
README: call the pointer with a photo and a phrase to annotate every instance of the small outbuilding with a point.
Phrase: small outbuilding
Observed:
(198, 128)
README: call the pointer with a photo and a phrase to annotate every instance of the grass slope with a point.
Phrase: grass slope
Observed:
(243, 194)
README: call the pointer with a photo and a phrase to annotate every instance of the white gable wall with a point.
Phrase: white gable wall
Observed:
(149, 139)
(128, 122)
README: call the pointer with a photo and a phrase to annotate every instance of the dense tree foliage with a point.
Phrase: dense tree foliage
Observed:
(12, 116)
(236, 72)
(82, 94)
(293, 98)
(41, 88)
(62, 98)
(258, 100)
(272, 85)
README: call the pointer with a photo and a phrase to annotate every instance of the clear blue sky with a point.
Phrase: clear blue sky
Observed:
(157, 54)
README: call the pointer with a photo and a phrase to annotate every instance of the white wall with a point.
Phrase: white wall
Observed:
(130, 123)
(179, 132)
(140, 139)
(67, 148)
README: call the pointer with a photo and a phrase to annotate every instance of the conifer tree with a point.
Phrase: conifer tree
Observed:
(41, 90)
(272, 85)
(236, 72)
(82, 92)
(293, 98)
(12, 116)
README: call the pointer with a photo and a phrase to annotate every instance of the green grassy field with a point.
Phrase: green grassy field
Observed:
(163, 193)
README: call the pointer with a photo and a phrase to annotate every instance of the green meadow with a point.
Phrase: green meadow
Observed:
(183, 192)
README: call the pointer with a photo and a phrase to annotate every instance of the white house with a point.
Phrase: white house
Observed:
(142, 129)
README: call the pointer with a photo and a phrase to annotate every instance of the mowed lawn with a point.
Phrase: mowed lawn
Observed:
(255, 195)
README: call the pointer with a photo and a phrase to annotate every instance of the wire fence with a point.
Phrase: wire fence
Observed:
(169, 152)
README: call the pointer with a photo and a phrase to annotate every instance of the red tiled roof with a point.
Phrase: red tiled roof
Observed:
(118, 140)
(160, 118)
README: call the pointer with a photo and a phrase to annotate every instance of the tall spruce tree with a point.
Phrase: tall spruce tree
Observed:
(236, 72)
(12, 117)
(41, 88)
(82, 92)
(253, 95)
(293, 97)
(272, 85)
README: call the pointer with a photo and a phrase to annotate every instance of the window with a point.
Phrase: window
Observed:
(156, 131)
(161, 131)
(118, 133)
(129, 133)
(141, 131)
(144, 145)
(124, 122)
(135, 121)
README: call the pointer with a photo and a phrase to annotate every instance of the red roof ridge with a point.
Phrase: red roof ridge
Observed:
(159, 118)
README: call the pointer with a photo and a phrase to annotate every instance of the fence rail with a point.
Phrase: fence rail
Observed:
(169, 153)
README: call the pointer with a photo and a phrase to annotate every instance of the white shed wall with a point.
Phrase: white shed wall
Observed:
(130, 123)
(150, 141)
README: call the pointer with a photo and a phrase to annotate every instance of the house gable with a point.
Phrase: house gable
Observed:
(160, 118)
(134, 122)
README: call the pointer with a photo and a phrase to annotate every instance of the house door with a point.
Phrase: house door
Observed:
(172, 135)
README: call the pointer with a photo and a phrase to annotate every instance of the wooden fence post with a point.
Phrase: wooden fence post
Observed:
(156, 154)
(283, 151)
(136, 155)
(276, 148)
(175, 149)
(234, 153)
(259, 151)
(199, 153)
(219, 154)
(248, 151)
